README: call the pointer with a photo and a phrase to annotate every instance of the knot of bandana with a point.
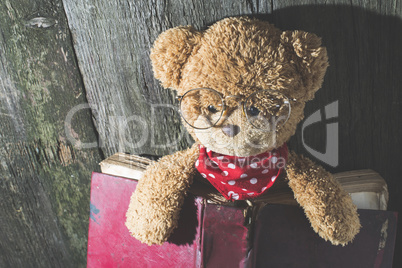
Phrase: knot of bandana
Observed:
(240, 178)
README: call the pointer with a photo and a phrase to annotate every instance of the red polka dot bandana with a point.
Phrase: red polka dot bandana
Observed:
(240, 178)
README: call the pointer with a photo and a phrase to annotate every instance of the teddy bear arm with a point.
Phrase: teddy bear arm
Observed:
(156, 203)
(328, 207)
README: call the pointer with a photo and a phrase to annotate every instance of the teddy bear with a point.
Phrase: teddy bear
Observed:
(242, 86)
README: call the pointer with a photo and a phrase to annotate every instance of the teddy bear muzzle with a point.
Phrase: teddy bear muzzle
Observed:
(231, 130)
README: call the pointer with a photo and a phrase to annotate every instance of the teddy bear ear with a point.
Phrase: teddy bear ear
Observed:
(310, 58)
(171, 51)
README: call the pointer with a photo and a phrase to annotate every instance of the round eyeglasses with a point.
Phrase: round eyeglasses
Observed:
(203, 108)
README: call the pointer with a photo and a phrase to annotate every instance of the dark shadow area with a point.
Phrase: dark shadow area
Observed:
(186, 230)
(305, 249)
(365, 76)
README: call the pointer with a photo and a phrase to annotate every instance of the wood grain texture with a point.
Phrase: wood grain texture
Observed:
(44, 179)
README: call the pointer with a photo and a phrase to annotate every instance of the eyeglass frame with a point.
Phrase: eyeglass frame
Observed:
(224, 110)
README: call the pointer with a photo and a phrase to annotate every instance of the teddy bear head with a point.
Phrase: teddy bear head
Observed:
(242, 83)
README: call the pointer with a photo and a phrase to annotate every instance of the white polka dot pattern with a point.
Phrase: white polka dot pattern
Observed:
(240, 178)
(253, 165)
(232, 166)
(233, 195)
(253, 181)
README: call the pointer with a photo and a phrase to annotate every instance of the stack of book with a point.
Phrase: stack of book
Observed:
(366, 187)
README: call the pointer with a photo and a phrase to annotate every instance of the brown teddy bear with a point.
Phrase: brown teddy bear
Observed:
(242, 85)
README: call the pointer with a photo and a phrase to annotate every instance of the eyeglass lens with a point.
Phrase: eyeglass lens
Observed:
(265, 109)
(202, 108)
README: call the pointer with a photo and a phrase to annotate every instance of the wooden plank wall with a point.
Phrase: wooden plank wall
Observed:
(111, 41)
(44, 179)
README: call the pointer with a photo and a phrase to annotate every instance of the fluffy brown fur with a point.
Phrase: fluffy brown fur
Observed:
(155, 205)
(238, 56)
(330, 210)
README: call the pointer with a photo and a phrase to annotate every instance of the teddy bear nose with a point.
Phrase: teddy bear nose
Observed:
(231, 130)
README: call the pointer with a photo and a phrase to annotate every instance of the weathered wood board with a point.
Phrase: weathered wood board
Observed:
(44, 179)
